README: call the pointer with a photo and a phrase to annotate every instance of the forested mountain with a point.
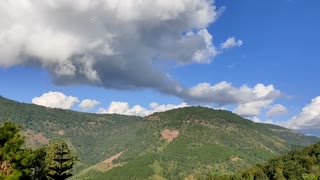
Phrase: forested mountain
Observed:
(192, 142)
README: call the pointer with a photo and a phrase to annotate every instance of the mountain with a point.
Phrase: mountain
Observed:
(182, 143)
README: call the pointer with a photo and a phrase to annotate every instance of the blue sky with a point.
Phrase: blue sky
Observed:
(139, 57)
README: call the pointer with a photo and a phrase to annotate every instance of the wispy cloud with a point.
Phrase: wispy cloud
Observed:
(231, 42)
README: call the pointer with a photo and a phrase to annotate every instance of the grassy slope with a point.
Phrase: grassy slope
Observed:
(209, 141)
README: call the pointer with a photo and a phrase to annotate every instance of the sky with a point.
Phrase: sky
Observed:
(258, 59)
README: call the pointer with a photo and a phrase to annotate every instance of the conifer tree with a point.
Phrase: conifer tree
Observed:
(15, 162)
(60, 161)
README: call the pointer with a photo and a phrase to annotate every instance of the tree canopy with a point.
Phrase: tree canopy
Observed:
(299, 164)
(53, 161)
(15, 161)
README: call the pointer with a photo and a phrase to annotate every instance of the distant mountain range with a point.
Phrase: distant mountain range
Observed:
(185, 143)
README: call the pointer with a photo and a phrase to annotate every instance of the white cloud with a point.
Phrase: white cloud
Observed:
(231, 42)
(224, 93)
(88, 104)
(256, 119)
(125, 37)
(137, 110)
(55, 100)
(309, 118)
(252, 108)
(255, 99)
(155, 107)
(249, 101)
(277, 110)
(203, 56)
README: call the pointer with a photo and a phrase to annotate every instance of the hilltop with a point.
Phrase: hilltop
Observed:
(181, 143)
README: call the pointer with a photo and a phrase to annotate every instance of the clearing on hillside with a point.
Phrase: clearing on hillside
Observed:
(169, 135)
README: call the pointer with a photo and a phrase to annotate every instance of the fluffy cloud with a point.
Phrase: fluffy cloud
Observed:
(111, 44)
(309, 118)
(250, 101)
(224, 93)
(55, 100)
(259, 97)
(137, 110)
(231, 42)
(252, 108)
(88, 104)
(277, 110)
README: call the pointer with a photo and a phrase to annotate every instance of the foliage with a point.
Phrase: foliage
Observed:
(299, 164)
(39, 165)
(15, 161)
(59, 160)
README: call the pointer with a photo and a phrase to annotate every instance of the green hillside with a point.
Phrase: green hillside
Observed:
(204, 141)
(298, 164)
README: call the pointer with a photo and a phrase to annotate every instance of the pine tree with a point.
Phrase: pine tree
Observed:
(60, 161)
(39, 166)
(14, 160)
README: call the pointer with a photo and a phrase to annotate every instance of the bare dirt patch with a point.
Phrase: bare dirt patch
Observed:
(61, 132)
(107, 164)
(235, 158)
(33, 138)
(112, 158)
(153, 118)
(40, 138)
(169, 135)
(92, 123)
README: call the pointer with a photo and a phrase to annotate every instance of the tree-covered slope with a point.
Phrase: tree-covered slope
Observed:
(94, 137)
(202, 141)
(209, 141)
(298, 164)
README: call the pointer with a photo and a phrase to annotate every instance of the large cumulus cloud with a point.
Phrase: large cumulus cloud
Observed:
(308, 118)
(109, 43)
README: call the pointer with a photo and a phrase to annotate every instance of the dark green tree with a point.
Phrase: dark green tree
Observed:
(59, 160)
(39, 166)
(15, 162)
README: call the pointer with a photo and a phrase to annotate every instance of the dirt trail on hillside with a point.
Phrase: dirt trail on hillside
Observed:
(112, 158)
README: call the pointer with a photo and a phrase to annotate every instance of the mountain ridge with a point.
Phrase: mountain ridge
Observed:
(208, 140)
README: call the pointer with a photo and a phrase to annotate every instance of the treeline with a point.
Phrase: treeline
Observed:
(53, 161)
(299, 164)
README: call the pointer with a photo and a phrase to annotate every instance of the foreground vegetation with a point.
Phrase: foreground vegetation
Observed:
(299, 164)
(47, 162)
(209, 141)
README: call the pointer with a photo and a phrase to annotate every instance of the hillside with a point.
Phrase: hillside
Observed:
(187, 142)
(298, 164)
